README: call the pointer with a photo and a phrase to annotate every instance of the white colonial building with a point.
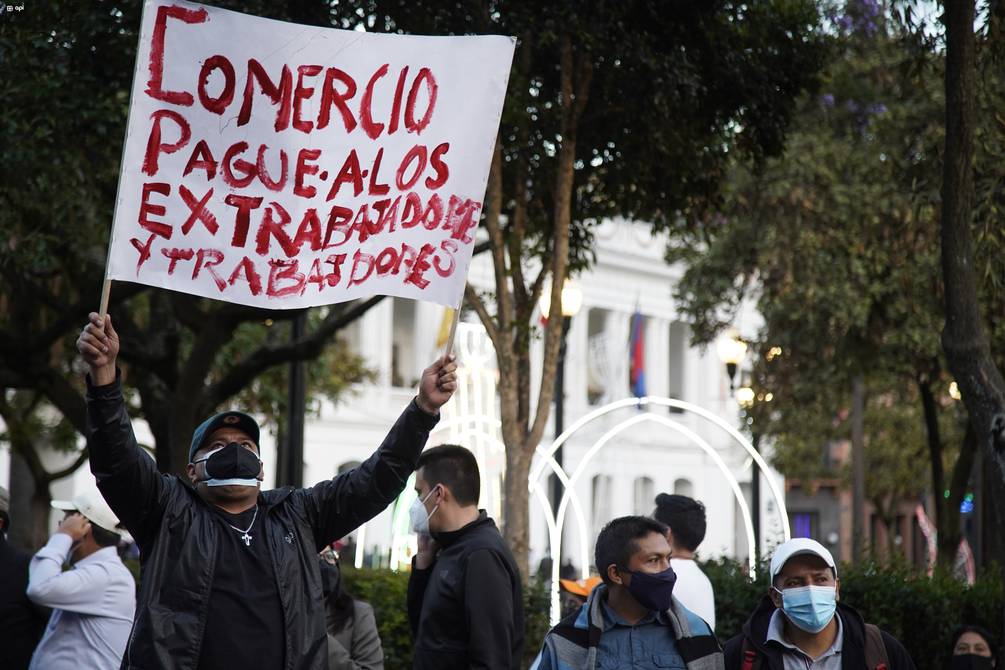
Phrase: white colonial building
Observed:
(647, 450)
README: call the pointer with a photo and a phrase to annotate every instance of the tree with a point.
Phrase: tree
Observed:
(964, 336)
(838, 243)
(67, 92)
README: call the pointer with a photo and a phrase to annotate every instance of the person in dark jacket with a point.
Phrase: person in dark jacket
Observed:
(21, 621)
(801, 624)
(465, 603)
(353, 639)
(229, 573)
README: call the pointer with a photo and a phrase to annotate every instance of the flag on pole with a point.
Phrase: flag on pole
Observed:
(636, 356)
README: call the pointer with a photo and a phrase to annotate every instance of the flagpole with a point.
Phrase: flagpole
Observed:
(106, 287)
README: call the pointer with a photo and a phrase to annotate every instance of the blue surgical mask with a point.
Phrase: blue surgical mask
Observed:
(809, 608)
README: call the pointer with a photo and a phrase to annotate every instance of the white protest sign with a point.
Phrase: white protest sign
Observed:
(282, 166)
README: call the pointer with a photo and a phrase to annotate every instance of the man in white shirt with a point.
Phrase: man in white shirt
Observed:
(93, 602)
(686, 519)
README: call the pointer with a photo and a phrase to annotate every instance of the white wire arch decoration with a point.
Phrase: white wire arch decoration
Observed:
(569, 496)
(469, 426)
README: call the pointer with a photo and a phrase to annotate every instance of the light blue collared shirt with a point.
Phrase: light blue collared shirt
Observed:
(92, 607)
(795, 658)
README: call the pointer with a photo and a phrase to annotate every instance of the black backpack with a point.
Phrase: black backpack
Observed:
(875, 652)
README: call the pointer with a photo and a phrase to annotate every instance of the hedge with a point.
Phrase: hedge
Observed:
(385, 591)
(919, 611)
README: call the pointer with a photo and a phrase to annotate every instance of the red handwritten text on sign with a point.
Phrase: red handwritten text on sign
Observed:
(302, 165)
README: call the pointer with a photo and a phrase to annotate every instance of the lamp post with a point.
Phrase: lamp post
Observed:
(745, 397)
(731, 350)
(290, 459)
(572, 302)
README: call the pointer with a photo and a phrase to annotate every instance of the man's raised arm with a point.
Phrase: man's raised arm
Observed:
(127, 478)
(342, 504)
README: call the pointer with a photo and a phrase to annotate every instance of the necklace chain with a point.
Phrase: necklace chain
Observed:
(244, 533)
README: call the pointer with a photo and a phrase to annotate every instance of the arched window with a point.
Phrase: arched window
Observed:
(601, 489)
(644, 496)
(683, 487)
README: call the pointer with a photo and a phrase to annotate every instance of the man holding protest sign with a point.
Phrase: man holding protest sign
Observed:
(279, 166)
(230, 574)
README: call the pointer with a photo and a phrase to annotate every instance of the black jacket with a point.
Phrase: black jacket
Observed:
(21, 621)
(466, 609)
(852, 650)
(178, 535)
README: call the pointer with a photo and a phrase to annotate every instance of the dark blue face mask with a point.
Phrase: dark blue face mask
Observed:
(653, 591)
(232, 465)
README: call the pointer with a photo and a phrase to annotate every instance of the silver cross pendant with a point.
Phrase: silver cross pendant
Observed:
(247, 540)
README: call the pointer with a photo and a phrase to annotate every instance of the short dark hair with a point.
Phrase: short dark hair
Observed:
(685, 517)
(980, 630)
(618, 541)
(103, 537)
(456, 468)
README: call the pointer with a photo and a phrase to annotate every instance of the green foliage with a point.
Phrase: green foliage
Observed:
(386, 592)
(838, 243)
(920, 612)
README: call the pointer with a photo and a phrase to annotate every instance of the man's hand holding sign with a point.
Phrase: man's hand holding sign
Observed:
(280, 166)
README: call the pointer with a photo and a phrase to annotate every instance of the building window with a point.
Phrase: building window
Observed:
(804, 524)
(683, 487)
(601, 489)
(680, 333)
(403, 361)
(598, 366)
(645, 496)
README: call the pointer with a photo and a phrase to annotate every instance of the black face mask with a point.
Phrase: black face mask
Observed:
(970, 662)
(232, 465)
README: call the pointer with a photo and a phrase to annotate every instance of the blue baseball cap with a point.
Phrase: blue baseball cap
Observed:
(232, 419)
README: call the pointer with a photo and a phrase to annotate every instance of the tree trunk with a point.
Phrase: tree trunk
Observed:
(516, 505)
(858, 521)
(964, 338)
(22, 491)
(950, 532)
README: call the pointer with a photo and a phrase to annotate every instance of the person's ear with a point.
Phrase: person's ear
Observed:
(776, 597)
(837, 589)
(192, 476)
(614, 574)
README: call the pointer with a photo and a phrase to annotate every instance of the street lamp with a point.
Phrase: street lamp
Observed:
(746, 397)
(731, 350)
(572, 302)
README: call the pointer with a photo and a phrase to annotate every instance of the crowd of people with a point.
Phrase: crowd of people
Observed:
(233, 576)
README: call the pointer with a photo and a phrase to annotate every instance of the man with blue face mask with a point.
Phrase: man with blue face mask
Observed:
(230, 575)
(801, 625)
(632, 619)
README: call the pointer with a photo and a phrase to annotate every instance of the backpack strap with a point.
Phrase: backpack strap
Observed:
(876, 657)
(751, 659)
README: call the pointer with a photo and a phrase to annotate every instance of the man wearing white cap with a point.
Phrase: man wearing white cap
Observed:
(94, 602)
(800, 625)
